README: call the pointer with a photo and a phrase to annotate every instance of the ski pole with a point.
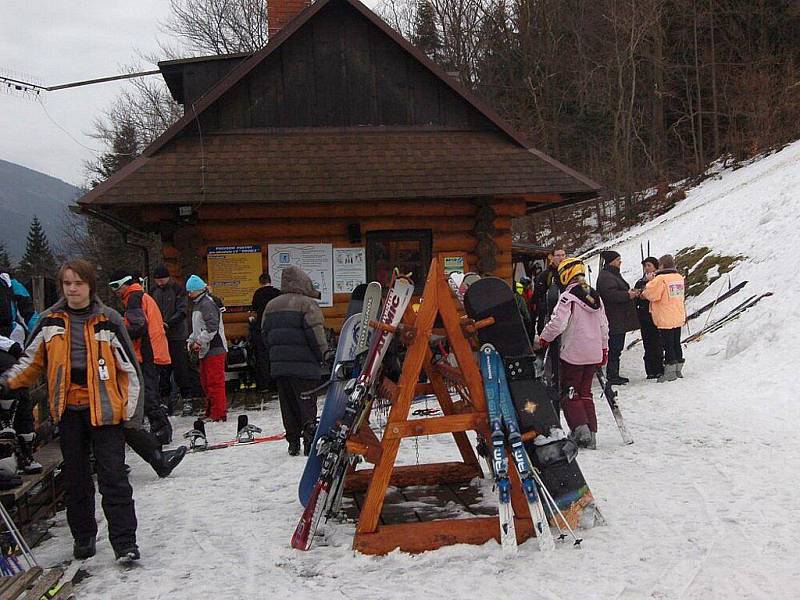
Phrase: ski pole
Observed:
(555, 509)
(15, 533)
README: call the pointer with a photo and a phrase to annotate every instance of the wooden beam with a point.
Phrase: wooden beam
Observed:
(430, 535)
(428, 474)
(436, 425)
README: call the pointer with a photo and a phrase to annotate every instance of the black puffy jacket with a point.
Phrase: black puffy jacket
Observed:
(293, 330)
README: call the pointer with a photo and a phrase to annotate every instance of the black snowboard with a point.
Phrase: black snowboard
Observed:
(492, 297)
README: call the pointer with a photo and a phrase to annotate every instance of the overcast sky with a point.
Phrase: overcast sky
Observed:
(59, 41)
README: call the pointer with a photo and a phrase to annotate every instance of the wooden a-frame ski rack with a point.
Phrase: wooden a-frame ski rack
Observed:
(459, 416)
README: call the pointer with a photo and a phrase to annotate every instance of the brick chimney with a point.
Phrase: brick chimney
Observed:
(280, 12)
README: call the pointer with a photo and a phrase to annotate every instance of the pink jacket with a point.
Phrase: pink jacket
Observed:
(583, 328)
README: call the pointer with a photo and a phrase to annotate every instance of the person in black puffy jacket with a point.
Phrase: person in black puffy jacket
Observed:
(294, 336)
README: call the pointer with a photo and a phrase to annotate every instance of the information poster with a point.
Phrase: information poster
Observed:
(233, 273)
(349, 269)
(315, 259)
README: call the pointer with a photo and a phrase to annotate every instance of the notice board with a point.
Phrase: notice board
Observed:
(233, 273)
(316, 260)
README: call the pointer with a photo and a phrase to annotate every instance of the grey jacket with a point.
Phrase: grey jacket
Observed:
(620, 309)
(292, 328)
(207, 327)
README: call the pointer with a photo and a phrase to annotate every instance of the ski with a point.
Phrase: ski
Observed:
(544, 537)
(491, 386)
(732, 314)
(246, 435)
(332, 447)
(611, 397)
(722, 297)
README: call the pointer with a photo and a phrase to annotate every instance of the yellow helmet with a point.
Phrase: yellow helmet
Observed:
(569, 268)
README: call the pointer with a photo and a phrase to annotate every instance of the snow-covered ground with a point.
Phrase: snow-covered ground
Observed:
(703, 505)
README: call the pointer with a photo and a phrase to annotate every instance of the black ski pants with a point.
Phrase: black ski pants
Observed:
(296, 413)
(179, 368)
(671, 339)
(78, 438)
(653, 349)
(263, 380)
(152, 400)
(616, 344)
(143, 443)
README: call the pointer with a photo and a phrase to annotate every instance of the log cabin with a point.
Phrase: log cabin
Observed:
(337, 132)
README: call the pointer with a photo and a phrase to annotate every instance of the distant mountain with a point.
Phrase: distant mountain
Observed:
(25, 193)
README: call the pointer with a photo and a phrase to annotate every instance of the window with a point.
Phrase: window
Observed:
(409, 250)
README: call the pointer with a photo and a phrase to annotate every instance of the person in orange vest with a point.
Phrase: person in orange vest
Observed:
(146, 328)
(665, 291)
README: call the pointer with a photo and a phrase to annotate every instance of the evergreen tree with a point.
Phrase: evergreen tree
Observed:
(6, 264)
(38, 258)
(425, 35)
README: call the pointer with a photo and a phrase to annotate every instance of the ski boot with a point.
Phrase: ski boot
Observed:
(582, 436)
(127, 554)
(679, 368)
(294, 448)
(188, 408)
(26, 464)
(670, 373)
(83, 549)
(197, 436)
(164, 462)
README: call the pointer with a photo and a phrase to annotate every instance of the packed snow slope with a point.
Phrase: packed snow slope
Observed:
(703, 505)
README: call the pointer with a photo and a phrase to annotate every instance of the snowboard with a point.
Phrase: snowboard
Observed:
(335, 402)
(552, 452)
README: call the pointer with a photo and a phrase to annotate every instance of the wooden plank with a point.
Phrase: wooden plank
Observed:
(298, 79)
(407, 475)
(42, 586)
(5, 582)
(49, 456)
(21, 583)
(436, 425)
(331, 96)
(430, 535)
(64, 592)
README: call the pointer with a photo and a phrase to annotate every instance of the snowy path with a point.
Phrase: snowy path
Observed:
(703, 505)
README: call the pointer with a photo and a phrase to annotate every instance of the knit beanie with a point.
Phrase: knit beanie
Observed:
(608, 256)
(160, 272)
(195, 284)
(652, 260)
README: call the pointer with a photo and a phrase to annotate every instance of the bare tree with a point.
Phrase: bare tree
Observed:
(218, 26)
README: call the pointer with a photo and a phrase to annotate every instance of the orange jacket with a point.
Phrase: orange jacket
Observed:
(113, 379)
(666, 294)
(145, 326)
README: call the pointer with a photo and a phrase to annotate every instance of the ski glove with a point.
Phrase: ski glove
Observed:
(604, 362)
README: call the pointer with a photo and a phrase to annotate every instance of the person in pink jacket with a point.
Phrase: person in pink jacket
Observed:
(580, 319)
(665, 291)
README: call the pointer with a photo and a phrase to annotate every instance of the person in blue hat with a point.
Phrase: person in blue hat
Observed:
(208, 340)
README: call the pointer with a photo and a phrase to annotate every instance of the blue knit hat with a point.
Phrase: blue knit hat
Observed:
(195, 284)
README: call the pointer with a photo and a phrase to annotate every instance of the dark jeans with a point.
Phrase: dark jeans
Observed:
(296, 413)
(576, 381)
(78, 437)
(616, 344)
(180, 368)
(671, 339)
(653, 350)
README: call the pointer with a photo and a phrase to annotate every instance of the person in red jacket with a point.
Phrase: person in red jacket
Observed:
(146, 328)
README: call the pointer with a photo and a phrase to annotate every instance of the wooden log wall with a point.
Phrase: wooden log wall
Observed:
(451, 221)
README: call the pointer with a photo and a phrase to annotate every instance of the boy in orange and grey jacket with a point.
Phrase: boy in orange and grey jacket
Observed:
(665, 291)
(94, 387)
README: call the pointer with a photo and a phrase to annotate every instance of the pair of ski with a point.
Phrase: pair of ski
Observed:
(731, 315)
(332, 447)
(501, 411)
(245, 434)
(611, 397)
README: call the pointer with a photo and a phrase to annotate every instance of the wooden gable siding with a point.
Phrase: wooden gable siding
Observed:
(451, 222)
(339, 70)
